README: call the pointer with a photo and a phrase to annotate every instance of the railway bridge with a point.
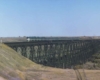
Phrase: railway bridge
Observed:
(57, 53)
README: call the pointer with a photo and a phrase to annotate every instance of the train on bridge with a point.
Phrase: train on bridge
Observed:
(57, 38)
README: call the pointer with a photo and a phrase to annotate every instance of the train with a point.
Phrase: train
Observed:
(57, 38)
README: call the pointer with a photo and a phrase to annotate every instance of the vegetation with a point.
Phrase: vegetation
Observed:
(13, 64)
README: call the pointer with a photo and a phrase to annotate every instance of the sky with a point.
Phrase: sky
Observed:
(49, 18)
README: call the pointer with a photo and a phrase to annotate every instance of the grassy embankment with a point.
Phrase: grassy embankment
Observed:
(12, 64)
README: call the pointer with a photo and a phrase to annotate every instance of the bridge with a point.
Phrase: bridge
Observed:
(57, 53)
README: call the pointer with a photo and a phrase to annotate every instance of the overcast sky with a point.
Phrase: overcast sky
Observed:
(49, 18)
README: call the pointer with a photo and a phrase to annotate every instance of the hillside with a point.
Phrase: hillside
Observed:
(11, 63)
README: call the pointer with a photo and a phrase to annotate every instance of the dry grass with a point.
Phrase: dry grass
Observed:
(90, 74)
(12, 63)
